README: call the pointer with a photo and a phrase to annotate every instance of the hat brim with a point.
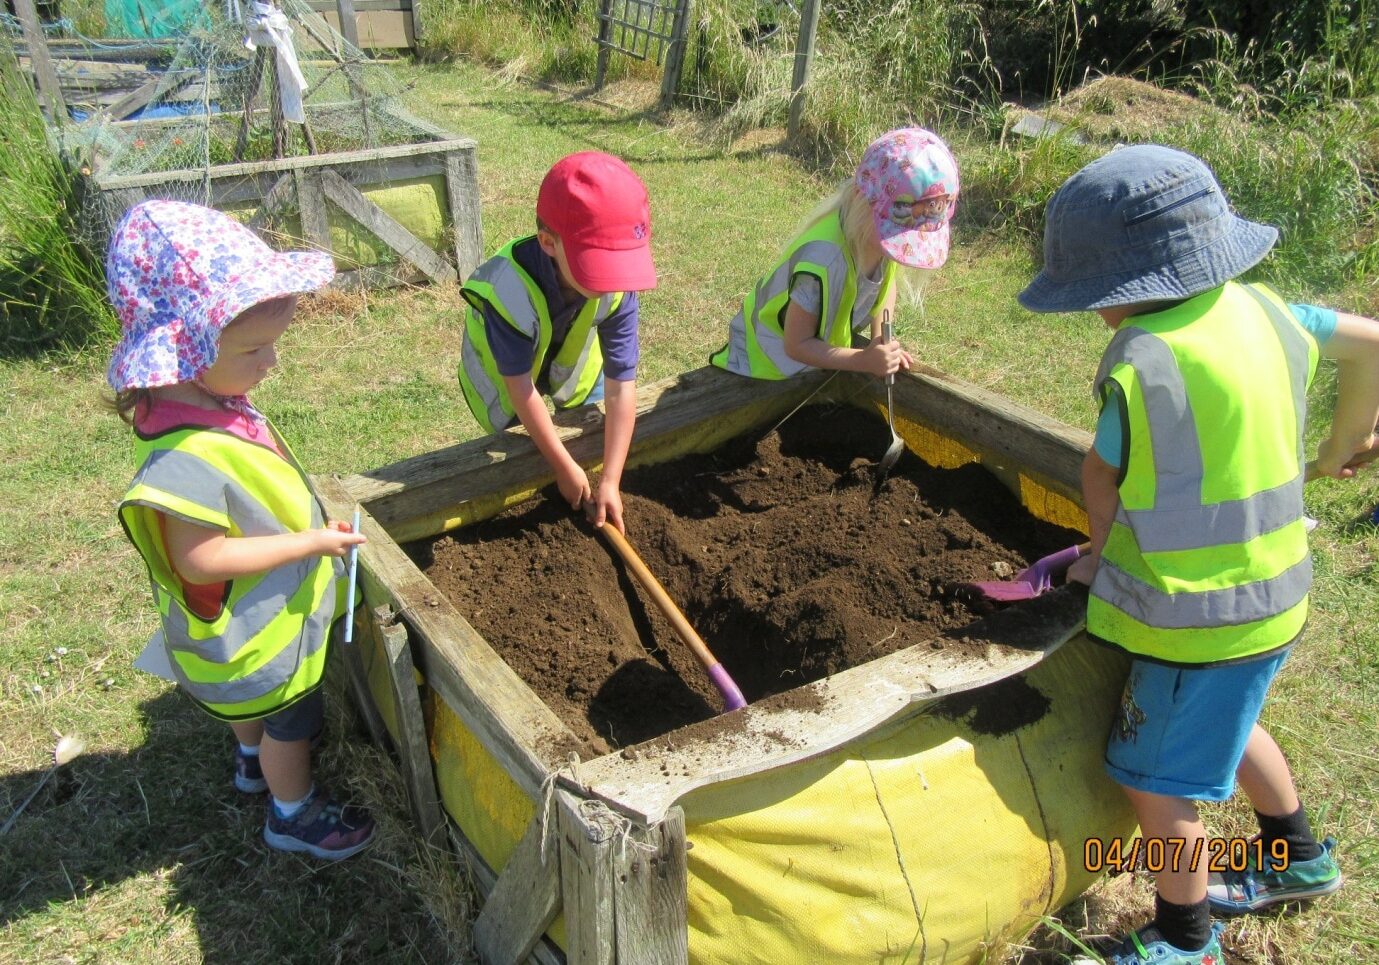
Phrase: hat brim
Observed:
(274, 276)
(914, 247)
(611, 270)
(1242, 247)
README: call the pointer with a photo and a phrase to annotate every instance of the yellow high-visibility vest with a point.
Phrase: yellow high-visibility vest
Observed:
(266, 648)
(756, 335)
(1207, 558)
(504, 286)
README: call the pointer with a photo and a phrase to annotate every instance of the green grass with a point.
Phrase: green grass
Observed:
(140, 850)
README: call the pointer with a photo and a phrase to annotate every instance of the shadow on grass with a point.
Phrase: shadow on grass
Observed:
(167, 814)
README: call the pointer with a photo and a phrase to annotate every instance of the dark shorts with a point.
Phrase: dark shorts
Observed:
(301, 721)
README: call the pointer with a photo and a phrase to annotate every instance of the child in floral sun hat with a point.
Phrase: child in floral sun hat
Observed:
(245, 568)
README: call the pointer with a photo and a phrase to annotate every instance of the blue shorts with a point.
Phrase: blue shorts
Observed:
(1181, 731)
(301, 721)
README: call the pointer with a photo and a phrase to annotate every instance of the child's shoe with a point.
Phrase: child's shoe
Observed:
(1240, 892)
(1147, 947)
(248, 773)
(323, 828)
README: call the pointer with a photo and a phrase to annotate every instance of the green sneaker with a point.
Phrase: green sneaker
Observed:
(1147, 947)
(1254, 889)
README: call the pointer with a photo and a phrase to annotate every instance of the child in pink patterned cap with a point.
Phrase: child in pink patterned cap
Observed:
(841, 273)
(245, 569)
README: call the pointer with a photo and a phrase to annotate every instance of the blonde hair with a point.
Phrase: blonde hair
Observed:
(124, 404)
(859, 230)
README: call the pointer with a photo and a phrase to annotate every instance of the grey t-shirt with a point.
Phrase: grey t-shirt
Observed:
(807, 293)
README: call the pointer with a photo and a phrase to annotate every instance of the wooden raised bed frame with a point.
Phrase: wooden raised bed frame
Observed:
(628, 904)
(306, 184)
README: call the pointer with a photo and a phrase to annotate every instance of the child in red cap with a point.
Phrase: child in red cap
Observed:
(555, 313)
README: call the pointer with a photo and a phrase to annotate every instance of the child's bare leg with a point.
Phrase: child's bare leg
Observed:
(1264, 776)
(248, 732)
(286, 767)
(1174, 819)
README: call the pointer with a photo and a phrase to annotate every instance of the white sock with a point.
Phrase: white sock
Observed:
(287, 809)
(248, 751)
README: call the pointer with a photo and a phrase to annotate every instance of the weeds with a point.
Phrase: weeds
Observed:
(52, 290)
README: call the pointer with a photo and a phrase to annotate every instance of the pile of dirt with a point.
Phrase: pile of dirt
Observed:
(777, 549)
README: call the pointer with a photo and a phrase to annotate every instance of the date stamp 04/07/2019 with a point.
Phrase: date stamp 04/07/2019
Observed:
(1219, 855)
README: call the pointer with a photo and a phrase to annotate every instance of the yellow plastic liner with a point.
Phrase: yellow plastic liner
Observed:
(927, 842)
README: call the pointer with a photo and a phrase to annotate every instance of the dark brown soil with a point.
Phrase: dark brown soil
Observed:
(777, 550)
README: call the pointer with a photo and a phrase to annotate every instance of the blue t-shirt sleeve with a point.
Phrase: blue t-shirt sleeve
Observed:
(618, 340)
(1108, 438)
(1321, 322)
(513, 352)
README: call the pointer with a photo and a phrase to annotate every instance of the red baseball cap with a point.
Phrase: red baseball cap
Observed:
(599, 209)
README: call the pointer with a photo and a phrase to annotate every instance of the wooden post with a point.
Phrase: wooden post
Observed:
(804, 59)
(650, 910)
(349, 23)
(413, 747)
(675, 56)
(462, 197)
(525, 897)
(605, 32)
(45, 78)
(586, 884)
(416, 23)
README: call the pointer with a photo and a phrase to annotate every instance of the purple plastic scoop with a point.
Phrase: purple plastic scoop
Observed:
(1031, 581)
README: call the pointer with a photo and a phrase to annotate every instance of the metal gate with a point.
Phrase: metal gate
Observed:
(644, 30)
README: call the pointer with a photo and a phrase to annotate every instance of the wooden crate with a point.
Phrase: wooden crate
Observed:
(569, 850)
(306, 189)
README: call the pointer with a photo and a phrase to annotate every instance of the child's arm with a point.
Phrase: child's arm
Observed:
(620, 401)
(201, 554)
(803, 345)
(570, 479)
(1101, 498)
(1355, 347)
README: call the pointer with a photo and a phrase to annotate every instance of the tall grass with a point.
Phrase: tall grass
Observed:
(52, 290)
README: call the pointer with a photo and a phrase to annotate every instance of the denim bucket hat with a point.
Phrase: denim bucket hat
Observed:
(1141, 224)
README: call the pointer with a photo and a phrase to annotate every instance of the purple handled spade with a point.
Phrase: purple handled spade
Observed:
(1030, 582)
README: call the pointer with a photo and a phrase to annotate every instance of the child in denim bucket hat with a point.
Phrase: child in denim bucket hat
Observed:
(841, 273)
(1199, 567)
(245, 569)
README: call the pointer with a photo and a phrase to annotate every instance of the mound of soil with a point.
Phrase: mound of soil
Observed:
(779, 552)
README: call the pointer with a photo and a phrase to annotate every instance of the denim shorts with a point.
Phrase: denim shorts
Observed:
(1181, 731)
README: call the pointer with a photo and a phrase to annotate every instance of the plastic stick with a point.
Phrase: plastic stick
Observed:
(349, 593)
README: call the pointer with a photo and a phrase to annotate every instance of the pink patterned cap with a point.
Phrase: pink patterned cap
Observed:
(177, 274)
(903, 174)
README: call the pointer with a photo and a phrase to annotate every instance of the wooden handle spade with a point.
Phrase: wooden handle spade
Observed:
(732, 696)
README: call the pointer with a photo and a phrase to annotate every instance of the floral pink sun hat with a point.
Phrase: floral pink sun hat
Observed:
(899, 173)
(177, 274)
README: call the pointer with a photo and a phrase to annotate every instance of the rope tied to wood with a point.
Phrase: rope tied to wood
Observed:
(548, 796)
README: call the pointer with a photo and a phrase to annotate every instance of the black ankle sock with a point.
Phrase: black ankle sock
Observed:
(1292, 828)
(1183, 926)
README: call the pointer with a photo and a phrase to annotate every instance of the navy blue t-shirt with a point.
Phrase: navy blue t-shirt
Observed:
(514, 353)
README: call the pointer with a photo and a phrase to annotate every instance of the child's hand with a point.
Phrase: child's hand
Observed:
(573, 483)
(1341, 461)
(1083, 569)
(884, 358)
(336, 538)
(607, 507)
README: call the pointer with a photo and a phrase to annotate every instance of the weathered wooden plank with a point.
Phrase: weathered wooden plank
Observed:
(388, 230)
(525, 899)
(349, 26)
(522, 734)
(49, 91)
(413, 749)
(359, 681)
(650, 907)
(135, 100)
(415, 497)
(545, 952)
(644, 781)
(311, 206)
(281, 195)
(462, 200)
(991, 423)
(248, 168)
(586, 883)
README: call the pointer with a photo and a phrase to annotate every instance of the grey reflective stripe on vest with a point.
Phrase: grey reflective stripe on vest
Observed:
(1180, 520)
(192, 477)
(273, 674)
(252, 613)
(567, 376)
(515, 299)
(1295, 352)
(1231, 606)
(771, 287)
